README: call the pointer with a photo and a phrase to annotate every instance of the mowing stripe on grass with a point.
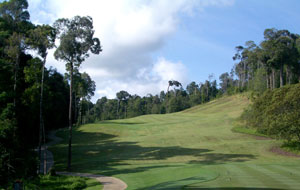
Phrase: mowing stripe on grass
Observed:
(291, 170)
(278, 179)
(261, 175)
(241, 175)
(279, 173)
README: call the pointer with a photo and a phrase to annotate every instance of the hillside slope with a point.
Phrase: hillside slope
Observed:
(176, 150)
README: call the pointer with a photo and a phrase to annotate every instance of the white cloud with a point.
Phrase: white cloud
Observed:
(129, 32)
(148, 80)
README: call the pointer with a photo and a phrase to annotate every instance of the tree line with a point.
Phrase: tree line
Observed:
(271, 64)
(271, 70)
(35, 99)
(125, 105)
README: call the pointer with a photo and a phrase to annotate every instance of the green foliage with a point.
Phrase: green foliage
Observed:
(292, 146)
(48, 182)
(20, 83)
(258, 83)
(127, 105)
(76, 40)
(276, 113)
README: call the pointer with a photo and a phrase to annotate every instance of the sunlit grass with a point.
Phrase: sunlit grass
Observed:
(176, 150)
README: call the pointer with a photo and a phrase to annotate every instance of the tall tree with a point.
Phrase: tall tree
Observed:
(42, 38)
(173, 83)
(84, 88)
(76, 37)
(122, 96)
(16, 46)
(15, 13)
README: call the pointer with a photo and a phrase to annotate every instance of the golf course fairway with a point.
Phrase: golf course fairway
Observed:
(193, 149)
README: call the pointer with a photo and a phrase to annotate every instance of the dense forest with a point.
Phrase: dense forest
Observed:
(30, 92)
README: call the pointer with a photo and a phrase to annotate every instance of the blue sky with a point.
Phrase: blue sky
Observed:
(205, 42)
(148, 42)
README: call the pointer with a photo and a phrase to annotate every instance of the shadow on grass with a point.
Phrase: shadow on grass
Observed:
(101, 153)
(116, 122)
(174, 185)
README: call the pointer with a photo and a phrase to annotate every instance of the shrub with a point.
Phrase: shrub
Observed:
(276, 113)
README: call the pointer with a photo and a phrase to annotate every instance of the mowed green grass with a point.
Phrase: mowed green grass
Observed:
(193, 149)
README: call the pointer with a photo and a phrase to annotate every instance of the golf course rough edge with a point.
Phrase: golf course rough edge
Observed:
(109, 183)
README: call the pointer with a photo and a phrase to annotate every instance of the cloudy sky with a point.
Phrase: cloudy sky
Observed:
(148, 42)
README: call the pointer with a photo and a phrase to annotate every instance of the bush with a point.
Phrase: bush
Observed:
(276, 113)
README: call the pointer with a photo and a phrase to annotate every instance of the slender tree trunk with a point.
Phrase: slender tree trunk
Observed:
(75, 108)
(70, 119)
(268, 81)
(239, 82)
(281, 75)
(88, 112)
(15, 77)
(273, 79)
(80, 113)
(45, 151)
(248, 81)
(244, 77)
(288, 75)
(118, 107)
(41, 111)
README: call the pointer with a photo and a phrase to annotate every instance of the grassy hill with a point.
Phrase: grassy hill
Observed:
(193, 149)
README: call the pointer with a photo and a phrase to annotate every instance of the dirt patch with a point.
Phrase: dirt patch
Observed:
(280, 151)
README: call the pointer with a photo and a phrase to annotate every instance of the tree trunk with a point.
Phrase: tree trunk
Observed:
(75, 109)
(239, 82)
(80, 113)
(288, 75)
(118, 106)
(281, 75)
(268, 82)
(42, 127)
(244, 78)
(70, 119)
(273, 79)
(15, 77)
(45, 151)
(88, 112)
